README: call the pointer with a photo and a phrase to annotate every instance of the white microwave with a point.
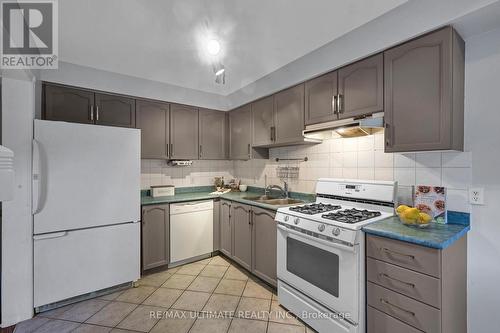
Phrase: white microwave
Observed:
(6, 174)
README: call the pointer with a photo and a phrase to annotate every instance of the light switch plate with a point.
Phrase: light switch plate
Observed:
(476, 196)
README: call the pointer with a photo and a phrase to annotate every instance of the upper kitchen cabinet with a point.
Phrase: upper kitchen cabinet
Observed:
(213, 135)
(321, 99)
(183, 132)
(240, 133)
(263, 122)
(289, 115)
(114, 110)
(153, 120)
(68, 104)
(424, 93)
(361, 88)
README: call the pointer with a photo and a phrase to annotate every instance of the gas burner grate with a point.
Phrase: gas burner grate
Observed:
(351, 216)
(315, 208)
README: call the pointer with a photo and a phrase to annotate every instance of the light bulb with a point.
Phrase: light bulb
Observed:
(213, 47)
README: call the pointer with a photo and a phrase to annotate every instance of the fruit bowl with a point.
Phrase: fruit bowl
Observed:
(413, 217)
(413, 222)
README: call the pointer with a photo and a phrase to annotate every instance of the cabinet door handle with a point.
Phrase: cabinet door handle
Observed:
(340, 99)
(200, 150)
(168, 150)
(412, 257)
(389, 129)
(171, 149)
(248, 150)
(411, 285)
(271, 130)
(274, 133)
(334, 104)
(389, 304)
(91, 113)
(97, 113)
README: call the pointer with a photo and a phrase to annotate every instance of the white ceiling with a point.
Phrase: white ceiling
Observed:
(162, 40)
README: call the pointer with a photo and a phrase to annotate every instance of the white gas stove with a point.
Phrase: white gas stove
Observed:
(321, 252)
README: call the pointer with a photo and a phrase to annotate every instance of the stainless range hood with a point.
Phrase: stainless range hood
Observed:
(347, 128)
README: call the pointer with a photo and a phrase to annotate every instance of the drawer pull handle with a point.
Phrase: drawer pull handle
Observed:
(389, 304)
(398, 253)
(411, 285)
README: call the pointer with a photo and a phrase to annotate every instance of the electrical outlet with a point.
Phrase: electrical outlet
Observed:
(476, 196)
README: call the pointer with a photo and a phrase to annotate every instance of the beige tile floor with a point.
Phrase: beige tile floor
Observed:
(209, 296)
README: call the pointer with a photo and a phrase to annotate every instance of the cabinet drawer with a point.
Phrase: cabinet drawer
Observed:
(379, 322)
(415, 257)
(410, 311)
(415, 285)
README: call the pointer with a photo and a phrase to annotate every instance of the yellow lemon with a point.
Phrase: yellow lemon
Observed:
(401, 208)
(411, 214)
(424, 218)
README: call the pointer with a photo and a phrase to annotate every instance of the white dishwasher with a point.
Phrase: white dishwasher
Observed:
(191, 230)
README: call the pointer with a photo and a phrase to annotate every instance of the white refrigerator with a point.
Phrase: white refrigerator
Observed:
(86, 209)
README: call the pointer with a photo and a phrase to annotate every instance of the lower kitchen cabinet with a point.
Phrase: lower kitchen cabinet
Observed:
(248, 236)
(226, 238)
(155, 236)
(216, 229)
(242, 234)
(264, 245)
(413, 288)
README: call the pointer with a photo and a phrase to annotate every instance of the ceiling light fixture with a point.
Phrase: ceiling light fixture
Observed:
(213, 47)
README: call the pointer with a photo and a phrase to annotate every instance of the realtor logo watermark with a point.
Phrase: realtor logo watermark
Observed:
(30, 34)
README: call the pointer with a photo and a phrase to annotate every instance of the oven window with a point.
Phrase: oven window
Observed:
(314, 265)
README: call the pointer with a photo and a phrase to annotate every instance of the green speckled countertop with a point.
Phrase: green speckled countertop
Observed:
(203, 193)
(438, 236)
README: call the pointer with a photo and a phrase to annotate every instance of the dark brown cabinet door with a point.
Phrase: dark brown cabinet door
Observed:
(183, 132)
(361, 89)
(153, 120)
(68, 104)
(114, 110)
(424, 94)
(242, 234)
(263, 121)
(155, 236)
(320, 96)
(289, 114)
(240, 135)
(213, 135)
(226, 239)
(264, 245)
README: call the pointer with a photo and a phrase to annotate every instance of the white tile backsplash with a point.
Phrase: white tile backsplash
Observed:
(428, 160)
(350, 158)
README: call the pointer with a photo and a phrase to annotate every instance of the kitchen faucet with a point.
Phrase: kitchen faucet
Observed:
(283, 190)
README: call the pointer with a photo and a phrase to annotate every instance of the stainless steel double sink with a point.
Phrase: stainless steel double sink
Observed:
(274, 201)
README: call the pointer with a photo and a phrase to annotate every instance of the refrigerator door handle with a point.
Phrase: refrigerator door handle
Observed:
(37, 180)
(51, 235)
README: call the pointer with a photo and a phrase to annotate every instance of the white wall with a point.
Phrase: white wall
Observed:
(483, 138)
(17, 223)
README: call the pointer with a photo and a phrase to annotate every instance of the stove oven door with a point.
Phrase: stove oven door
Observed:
(326, 271)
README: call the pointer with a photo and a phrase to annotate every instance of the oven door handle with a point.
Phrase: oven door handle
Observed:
(319, 240)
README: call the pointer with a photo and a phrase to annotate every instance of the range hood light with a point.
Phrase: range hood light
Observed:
(346, 128)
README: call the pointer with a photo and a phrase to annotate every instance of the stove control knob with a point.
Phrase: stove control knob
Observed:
(336, 231)
(286, 217)
(321, 227)
(296, 221)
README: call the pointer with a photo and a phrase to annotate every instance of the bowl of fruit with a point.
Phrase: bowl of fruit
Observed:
(413, 217)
